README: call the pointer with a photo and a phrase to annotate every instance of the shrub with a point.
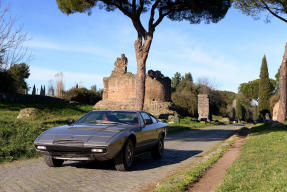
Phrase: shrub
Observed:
(82, 95)
(13, 79)
(16, 139)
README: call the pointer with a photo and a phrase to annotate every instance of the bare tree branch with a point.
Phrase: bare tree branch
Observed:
(12, 50)
(272, 12)
(160, 18)
(120, 7)
(151, 19)
(134, 6)
(140, 9)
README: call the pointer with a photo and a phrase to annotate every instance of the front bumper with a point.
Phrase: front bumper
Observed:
(77, 153)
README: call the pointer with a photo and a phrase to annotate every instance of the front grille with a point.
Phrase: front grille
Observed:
(68, 152)
(66, 149)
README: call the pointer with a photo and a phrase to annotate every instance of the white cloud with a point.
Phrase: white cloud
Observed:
(60, 46)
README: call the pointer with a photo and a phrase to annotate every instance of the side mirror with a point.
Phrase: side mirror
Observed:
(70, 121)
(147, 121)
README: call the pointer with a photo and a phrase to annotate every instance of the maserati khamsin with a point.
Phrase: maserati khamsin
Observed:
(104, 135)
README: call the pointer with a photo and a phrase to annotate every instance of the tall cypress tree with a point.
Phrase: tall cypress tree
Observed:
(41, 90)
(176, 79)
(44, 91)
(34, 90)
(265, 89)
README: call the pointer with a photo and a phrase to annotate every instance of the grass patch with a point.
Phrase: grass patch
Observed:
(182, 180)
(261, 165)
(189, 123)
(17, 135)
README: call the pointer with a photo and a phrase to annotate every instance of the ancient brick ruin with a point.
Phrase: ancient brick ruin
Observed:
(120, 90)
(204, 107)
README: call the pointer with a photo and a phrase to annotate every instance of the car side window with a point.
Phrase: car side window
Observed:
(154, 120)
(141, 120)
(145, 116)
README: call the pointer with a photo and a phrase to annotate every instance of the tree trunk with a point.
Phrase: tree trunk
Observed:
(283, 89)
(142, 51)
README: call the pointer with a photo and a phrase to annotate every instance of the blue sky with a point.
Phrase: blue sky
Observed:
(85, 47)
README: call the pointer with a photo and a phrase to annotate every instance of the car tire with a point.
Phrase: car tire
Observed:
(51, 162)
(158, 150)
(125, 158)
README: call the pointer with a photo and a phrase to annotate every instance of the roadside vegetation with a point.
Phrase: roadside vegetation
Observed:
(17, 135)
(189, 123)
(261, 165)
(185, 96)
(182, 180)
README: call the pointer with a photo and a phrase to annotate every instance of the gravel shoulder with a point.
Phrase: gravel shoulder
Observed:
(181, 150)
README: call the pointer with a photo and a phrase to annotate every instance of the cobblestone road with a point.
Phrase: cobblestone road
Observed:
(181, 150)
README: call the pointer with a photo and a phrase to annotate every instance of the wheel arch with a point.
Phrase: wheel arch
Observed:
(162, 133)
(133, 138)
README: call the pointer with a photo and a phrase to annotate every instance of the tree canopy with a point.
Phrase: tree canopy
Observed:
(175, 80)
(177, 10)
(256, 8)
(250, 89)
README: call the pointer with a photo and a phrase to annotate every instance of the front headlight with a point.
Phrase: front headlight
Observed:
(40, 147)
(98, 150)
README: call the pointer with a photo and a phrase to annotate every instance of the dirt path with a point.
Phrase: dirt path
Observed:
(214, 176)
(182, 149)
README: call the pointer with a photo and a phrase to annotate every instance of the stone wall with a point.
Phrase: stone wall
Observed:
(120, 90)
(204, 107)
(123, 86)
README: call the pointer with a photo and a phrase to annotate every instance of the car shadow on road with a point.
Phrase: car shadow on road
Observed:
(142, 162)
(205, 135)
(171, 156)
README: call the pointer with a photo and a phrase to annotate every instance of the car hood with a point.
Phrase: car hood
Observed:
(82, 133)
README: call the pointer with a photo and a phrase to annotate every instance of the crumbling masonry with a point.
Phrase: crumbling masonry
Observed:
(120, 90)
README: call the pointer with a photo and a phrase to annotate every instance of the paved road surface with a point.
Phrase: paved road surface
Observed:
(181, 150)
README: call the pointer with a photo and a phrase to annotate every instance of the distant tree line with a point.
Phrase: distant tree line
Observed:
(185, 96)
(256, 98)
(42, 90)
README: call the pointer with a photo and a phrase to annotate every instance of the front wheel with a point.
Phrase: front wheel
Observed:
(51, 162)
(125, 158)
(157, 151)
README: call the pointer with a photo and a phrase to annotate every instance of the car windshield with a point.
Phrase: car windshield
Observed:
(110, 117)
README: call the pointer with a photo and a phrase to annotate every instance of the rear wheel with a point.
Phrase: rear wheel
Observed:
(125, 158)
(51, 162)
(157, 151)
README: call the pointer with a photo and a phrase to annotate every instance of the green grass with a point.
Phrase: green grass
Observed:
(189, 123)
(262, 163)
(181, 181)
(17, 136)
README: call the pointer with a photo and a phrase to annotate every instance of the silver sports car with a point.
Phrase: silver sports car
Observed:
(104, 135)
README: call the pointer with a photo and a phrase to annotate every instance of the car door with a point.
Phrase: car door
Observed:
(147, 131)
(156, 129)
